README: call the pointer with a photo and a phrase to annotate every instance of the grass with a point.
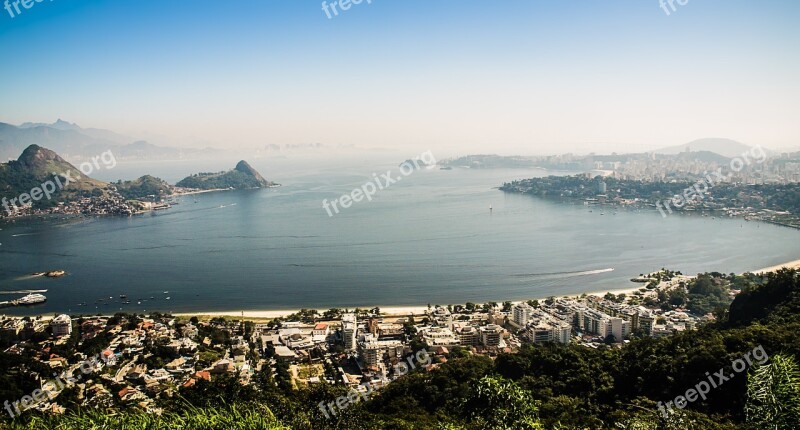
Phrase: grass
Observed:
(236, 417)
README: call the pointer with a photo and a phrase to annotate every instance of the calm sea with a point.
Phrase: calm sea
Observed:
(428, 239)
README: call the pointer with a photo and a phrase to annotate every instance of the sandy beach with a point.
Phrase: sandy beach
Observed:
(790, 265)
(190, 193)
(420, 310)
(385, 310)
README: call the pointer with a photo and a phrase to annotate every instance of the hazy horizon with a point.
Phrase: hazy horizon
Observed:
(527, 78)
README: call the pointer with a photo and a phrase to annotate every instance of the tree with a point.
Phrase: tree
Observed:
(773, 394)
(500, 404)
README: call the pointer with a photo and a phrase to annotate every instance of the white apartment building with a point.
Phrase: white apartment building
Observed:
(61, 325)
(491, 335)
(350, 331)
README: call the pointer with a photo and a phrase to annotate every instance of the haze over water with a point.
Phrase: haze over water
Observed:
(428, 239)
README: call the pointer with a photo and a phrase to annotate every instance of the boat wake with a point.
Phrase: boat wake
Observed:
(23, 292)
(563, 274)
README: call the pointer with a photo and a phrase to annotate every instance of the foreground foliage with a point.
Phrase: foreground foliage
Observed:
(236, 417)
(543, 386)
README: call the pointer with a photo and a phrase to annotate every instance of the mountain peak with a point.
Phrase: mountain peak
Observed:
(35, 155)
(247, 169)
(243, 176)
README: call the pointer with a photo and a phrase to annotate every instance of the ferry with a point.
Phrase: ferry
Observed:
(30, 299)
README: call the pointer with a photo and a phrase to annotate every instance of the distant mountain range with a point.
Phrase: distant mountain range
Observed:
(719, 151)
(725, 147)
(76, 143)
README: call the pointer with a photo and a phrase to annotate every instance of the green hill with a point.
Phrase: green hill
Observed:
(242, 177)
(38, 165)
(145, 187)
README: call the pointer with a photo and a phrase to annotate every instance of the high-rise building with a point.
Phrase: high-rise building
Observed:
(349, 331)
(491, 335)
(61, 325)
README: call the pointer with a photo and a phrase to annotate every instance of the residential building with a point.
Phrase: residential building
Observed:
(61, 326)
(350, 331)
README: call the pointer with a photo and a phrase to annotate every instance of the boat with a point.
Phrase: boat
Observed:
(30, 299)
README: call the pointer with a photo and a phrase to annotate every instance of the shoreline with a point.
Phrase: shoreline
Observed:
(389, 311)
(191, 193)
(790, 264)
(393, 311)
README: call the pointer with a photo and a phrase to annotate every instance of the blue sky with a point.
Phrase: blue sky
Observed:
(512, 76)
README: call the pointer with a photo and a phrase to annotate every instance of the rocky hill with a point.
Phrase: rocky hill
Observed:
(243, 176)
(38, 165)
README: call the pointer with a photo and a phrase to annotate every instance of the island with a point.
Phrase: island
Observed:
(243, 176)
(42, 183)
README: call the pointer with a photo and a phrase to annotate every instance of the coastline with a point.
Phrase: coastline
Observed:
(389, 311)
(791, 265)
(397, 311)
(189, 193)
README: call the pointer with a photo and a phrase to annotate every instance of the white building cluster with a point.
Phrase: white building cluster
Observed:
(539, 326)
(444, 331)
(590, 316)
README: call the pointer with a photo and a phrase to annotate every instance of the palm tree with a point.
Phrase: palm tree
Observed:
(773, 394)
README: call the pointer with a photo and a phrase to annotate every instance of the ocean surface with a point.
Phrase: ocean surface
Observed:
(430, 238)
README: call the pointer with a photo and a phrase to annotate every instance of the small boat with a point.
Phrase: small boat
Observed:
(169, 298)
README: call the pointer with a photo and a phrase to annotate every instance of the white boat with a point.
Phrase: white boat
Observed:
(30, 299)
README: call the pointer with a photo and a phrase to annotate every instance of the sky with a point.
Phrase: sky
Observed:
(509, 77)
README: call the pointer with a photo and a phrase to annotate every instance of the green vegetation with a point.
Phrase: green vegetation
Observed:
(234, 417)
(242, 177)
(773, 394)
(146, 187)
(775, 197)
(37, 165)
(548, 386)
